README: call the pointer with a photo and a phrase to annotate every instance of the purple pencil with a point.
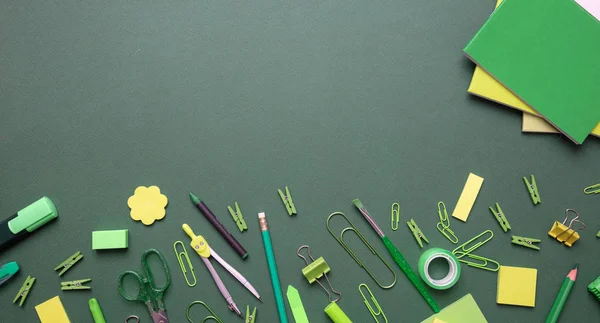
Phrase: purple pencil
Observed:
(219, 226)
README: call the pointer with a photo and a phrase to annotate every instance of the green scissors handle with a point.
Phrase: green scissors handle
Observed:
(148, 292)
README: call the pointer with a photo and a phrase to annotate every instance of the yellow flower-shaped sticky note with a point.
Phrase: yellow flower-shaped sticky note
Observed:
(147, 204)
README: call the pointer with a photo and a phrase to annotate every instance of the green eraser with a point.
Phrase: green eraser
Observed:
(110, 239)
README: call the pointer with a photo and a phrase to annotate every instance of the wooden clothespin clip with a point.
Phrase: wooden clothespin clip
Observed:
(414, 228)
(566, 234)
(500, 217)
(287, 200)
(24, 291)
(250, 316)
(238, 217)
(70, 262)
(533, 190)
(75, 284)
(526, 242)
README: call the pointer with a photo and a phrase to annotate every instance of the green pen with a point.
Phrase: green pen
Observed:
(398, 257)
(24, 222)
(96, 311)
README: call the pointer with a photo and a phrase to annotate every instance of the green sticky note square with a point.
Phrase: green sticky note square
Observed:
(110, 239)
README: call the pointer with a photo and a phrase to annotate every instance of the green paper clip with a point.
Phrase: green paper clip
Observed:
(594, 288)
(238, 217)
(183, 254)
(24, 291)
(375, 312)
(533, 190)
(75, 284)
(395, 216)
(316, 269)
(213, 315)
(287, 201)
(444, 225)
(482, 262)
(414, 228)
(526, 242)
(500, 217)
(593, 189)
(250, 317)
(341, 241)
(70, 262)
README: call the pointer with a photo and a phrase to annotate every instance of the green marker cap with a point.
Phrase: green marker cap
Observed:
(33, 216)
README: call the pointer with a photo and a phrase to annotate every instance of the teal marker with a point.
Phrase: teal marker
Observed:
(24, 222)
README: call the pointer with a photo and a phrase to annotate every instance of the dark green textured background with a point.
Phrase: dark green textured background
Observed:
(234, 99)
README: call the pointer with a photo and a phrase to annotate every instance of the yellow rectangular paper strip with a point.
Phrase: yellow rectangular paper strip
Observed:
(52, 311)
(467, 197)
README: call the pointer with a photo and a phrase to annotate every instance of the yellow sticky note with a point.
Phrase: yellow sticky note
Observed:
(147, 204)
(467, 197)
(516, 286)
(436, 320)
(52, 311)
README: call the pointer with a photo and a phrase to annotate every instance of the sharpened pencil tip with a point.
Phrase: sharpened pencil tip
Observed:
(576, 266)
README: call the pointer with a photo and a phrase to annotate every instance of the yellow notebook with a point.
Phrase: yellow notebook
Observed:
(485, 86)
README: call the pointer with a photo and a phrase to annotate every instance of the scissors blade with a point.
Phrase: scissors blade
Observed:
(160, 317)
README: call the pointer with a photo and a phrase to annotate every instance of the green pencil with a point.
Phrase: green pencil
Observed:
(562, 296)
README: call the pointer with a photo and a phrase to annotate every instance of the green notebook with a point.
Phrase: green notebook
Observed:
(547, 52)
(465, 310)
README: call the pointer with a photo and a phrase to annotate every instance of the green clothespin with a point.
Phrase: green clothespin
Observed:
(502, 220)
(417, 232)
(75, 284)
(24, 291)
(598, 234)
(67, 264)
(250, 317)
(238, 217)
(526, 242)
(533, 190)
(287, 200)
(594, 288)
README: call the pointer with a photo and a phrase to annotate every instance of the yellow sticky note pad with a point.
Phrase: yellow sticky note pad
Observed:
(52, 311)
(467, 197)
(516, 286)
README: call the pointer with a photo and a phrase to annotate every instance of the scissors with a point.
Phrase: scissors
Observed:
(148, 292)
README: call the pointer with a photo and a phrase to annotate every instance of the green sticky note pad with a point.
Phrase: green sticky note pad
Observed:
(545, 52)
(462, 311)
(110, 239)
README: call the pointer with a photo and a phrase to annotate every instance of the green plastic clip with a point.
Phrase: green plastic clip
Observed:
(466, 250)
(533, 190)
(414, 228)
(444, 225)
(315, 270)
(525, 242)
(238, 217)
(213, 315)
(68, 263)
(287, 201)
(376, 311)
(395, 216)
(24, 291)
(500, 217)
(593, 189)
(75, 284)
(594, 288)
(250, 316)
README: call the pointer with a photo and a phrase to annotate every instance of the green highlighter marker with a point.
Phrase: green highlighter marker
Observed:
(21, 224)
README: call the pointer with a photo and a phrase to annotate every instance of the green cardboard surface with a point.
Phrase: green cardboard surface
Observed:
(110, 239)
(232, 100)
(462, 311)
(546, 52)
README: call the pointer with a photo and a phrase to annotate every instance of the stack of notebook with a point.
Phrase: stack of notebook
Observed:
(542, 57)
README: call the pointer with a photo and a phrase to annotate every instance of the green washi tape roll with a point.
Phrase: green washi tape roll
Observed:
(453, 273)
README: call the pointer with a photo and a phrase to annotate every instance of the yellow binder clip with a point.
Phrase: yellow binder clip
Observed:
(567, 234)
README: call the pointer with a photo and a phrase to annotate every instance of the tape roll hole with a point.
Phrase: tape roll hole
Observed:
(441, 270)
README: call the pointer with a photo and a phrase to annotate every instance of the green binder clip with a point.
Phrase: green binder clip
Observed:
(375, 312)
(70, 262)
(444, 225)
(287, 201)
(593, 189)
(533, 190)
(414, 228)
(24, 291)
(594, 288)
(500, 217)
(238, 217)
(526, 242)
(75, 284)
(316, 269)
(395, 216)
(466, 250)
(213, 315)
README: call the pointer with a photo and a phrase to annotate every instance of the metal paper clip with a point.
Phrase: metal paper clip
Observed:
(465, 250)
(316, 269)
(180, 255)
(375, 312)
(395, 216)
(137, 319)
(213, 315)
(444, 225)
(593, 189)
(567, 234)
(341, 241)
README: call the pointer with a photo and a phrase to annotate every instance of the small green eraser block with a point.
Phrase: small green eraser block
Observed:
(110, 239)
